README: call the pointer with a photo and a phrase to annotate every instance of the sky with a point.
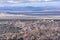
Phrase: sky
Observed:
(29, 3)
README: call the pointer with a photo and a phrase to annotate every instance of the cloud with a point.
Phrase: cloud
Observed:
(13, 1)
(47, 0)
(34, 3)
(23, 1)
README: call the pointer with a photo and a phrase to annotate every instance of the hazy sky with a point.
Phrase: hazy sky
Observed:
(29, 2)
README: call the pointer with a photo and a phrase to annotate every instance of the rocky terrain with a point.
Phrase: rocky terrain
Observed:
(30, 29)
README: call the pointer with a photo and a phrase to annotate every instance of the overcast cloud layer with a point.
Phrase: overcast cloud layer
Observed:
(29, 2)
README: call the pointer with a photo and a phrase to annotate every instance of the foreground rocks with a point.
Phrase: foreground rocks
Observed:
(30, 30)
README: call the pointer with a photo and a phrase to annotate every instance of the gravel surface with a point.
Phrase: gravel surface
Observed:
(30, 29)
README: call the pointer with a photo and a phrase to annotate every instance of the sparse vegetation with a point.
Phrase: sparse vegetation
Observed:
(30, 30)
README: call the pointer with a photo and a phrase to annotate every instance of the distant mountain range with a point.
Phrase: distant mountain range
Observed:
(29, 10)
